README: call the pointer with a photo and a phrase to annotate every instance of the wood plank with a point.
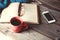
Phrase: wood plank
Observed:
(26, 35)
(50, 30)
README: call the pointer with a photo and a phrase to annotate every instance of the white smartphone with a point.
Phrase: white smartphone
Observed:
(47, 15)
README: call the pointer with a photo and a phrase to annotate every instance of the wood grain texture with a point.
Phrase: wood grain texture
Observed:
(50, 30)
(55, 4)
(26, 35)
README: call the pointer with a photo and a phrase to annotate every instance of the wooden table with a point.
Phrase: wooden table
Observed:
(26, 35)
(50, 30)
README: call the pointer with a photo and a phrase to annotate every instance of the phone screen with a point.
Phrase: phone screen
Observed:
(48, 16)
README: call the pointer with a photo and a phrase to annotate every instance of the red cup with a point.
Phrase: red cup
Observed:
(17, 24)
(24, 27)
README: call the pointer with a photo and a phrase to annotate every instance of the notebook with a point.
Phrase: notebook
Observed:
(29, 12)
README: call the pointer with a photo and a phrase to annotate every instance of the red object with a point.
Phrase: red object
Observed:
(24, 26)
(18, 24)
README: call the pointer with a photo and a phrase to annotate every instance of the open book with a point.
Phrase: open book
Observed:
(28, 10)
